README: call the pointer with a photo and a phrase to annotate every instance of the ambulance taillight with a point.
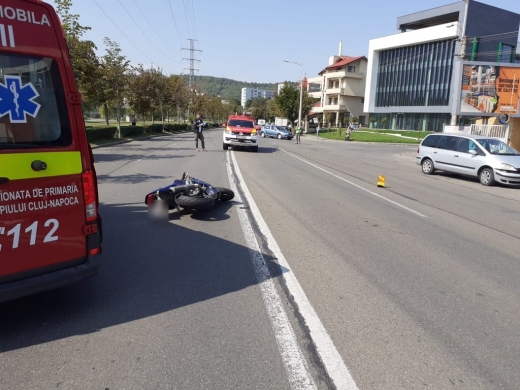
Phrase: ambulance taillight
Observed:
(89, 193)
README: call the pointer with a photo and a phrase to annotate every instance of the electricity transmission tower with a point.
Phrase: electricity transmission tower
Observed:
(192, 61)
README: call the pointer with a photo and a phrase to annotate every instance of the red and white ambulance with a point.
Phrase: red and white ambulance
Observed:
(50, 228)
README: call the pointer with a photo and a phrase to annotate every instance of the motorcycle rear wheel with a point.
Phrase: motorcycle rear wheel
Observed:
(195, 203)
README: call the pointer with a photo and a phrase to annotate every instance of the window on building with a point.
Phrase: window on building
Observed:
(418, 75)
(351, 69)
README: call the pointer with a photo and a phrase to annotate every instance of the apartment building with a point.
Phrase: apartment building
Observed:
(341, 90)
(252, 93)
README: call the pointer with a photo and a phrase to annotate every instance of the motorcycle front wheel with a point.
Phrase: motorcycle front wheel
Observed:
(195, 203)
(225, 194)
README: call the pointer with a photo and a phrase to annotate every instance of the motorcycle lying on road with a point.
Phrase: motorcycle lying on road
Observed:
(188, 193)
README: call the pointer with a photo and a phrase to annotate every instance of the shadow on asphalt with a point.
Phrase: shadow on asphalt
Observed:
(261, 149)
(147, 269)
(130, 179)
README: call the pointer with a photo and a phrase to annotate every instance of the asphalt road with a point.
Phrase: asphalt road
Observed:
(415, 284)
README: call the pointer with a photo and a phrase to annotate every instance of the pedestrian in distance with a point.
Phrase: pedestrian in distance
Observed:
(318, 130)
(298, 134)
(134, 120)
(197, 129)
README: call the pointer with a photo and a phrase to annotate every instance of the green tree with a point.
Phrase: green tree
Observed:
(177, 94)
(236, 106)
(272, 111)
(113, 80)
(328, 118)
(85, 63)
(383, 122)
(288, 102)
(158, 92)
(258, 107)
(140, 94)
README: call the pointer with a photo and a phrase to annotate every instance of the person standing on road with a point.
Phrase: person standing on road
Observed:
(197, 128)
(318, 130)
(298, 133)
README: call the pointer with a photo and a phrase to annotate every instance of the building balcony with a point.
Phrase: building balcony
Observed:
(335, 107)
(316, 110)
(342, 74)
(315, 95)
(335, 91)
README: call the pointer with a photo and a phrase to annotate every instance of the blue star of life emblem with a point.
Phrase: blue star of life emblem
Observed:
(17, 100)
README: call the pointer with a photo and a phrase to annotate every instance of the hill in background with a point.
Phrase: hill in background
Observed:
(227, 89)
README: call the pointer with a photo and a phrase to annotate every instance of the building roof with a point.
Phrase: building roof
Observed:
(342, 61)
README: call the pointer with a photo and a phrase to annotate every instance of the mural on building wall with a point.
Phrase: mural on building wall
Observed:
(490, 90)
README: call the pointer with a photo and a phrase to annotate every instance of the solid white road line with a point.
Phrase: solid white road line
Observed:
(294, 362)
(332, 361)
(357, 186)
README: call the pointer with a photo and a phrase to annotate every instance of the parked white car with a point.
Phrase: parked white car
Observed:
(488, 159)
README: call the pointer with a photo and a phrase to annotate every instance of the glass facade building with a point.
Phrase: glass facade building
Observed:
(410, 121)
(418, 75)
(415, 77)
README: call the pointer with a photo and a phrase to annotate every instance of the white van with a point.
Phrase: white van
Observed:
(489, 159)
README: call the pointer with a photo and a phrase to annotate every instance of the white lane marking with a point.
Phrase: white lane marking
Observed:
(336, 368)
(294, 362)
(358, 186)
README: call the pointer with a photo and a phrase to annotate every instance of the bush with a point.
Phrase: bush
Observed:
(100, 133)
(155, 128)
(128, 131)
(179, 127)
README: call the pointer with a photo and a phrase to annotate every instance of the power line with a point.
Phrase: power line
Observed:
(121, 31)
(186, 14)
(140, 29)
(194, 22)
(175, 22)
(151, 25)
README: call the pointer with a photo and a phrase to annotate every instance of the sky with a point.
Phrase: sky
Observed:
(246, 40)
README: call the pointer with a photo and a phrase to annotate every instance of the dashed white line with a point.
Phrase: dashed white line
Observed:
(332, 361)
(357, 186)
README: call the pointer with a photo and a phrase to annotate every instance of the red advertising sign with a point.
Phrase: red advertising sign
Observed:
(490, 90)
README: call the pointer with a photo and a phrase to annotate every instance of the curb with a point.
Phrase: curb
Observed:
(127, 140)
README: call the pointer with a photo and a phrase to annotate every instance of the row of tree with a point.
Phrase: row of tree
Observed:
(111, 83)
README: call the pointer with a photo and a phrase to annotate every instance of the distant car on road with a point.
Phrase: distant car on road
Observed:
(274, 131)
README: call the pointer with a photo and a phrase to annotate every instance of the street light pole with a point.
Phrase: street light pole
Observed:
(301, 91)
